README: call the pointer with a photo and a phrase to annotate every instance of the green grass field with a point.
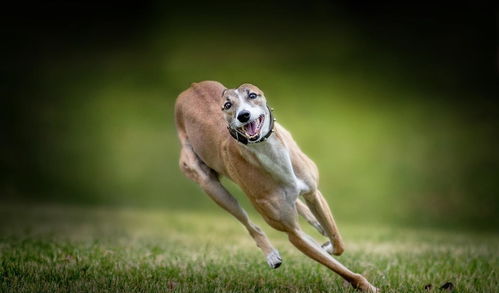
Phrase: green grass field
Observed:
(56, 248)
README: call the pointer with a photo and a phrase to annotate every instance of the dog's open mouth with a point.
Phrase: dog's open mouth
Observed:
(252, 129)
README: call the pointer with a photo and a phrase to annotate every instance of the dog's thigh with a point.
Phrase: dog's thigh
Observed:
(193, 168)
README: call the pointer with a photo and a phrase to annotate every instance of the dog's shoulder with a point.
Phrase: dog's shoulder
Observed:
(303, 166)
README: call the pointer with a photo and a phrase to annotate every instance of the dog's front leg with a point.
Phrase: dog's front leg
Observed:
(320, 208)
(305, 212)
(280, 213)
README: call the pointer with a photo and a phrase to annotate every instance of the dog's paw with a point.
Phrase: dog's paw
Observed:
(328, 247)
(331, 249)
(363, 285)
(274, 259)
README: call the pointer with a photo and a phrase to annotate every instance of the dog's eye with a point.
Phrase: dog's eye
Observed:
(227, 105)
(252, 96)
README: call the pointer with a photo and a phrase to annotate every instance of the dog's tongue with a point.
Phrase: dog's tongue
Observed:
(251, 128)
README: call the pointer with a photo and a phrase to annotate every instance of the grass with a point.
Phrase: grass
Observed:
(55, 248)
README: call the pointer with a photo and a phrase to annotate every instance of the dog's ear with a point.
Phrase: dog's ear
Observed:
(223, 92)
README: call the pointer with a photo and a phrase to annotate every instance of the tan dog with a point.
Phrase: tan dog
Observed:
(231, 132)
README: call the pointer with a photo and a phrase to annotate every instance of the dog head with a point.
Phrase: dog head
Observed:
(245, 110)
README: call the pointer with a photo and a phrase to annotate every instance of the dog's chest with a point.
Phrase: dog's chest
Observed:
(275, 158)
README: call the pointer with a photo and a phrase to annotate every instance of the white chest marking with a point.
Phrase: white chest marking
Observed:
(275, 158)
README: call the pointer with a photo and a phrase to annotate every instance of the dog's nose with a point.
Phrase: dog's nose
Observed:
(243, 116)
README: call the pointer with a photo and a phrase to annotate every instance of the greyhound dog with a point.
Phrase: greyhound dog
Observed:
(231, 132)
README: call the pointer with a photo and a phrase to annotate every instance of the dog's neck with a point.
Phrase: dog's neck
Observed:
(273, 155)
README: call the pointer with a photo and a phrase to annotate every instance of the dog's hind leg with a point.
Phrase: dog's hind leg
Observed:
(195, 169)
(305, 212)
(320, 208)
(313, 250)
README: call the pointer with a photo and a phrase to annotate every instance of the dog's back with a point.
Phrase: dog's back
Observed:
(200, 122)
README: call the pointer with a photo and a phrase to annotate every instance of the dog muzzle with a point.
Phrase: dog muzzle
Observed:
(240, 137)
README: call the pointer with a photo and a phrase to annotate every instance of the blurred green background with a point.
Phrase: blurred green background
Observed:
(397, 104)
